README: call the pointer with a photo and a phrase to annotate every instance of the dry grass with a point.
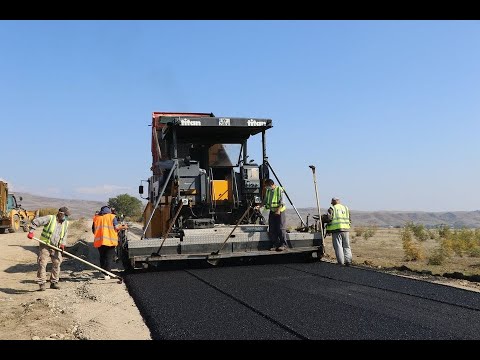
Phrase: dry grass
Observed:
(47, 211)
(385, 250)
(79, 230)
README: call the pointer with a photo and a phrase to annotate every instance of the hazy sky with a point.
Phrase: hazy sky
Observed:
(387, 111)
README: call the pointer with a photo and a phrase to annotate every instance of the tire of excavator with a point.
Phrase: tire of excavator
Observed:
(15, 224)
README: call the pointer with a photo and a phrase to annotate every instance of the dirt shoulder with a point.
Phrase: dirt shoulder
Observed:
(85, 307)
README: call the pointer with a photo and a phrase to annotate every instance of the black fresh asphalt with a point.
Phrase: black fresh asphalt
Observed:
(294, 300)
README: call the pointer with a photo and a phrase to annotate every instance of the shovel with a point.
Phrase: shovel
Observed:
(80, 259)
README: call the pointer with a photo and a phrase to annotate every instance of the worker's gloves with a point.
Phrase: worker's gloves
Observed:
(62, 247)
(30, 235)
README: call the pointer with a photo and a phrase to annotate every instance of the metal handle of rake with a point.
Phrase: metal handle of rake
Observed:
(77, 258)
(231, 232)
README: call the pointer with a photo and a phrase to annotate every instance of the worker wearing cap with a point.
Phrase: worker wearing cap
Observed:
(339, 226)
(274, 202)
(105, 228)
(55, 232)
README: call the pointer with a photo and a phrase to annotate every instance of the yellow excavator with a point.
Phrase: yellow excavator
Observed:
(12, 215)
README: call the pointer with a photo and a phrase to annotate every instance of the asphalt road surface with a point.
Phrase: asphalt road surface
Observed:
(292, 300)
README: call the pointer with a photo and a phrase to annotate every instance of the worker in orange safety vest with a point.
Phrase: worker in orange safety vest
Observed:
(105, 228)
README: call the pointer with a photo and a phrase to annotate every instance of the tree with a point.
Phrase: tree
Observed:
(127, 205)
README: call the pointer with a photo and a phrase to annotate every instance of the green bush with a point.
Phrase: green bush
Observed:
(477, 235)
(369, 232)
(413, 251)
(475, 252)
(438, 257)
(359, 230)
(447, 245)
(444, 231)
(461, 242)
(365, 231)
(418, 231)
(128, 206)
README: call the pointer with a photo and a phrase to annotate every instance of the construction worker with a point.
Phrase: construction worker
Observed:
(105, 228)
(95, 216)
(55, 232)
(339, 226)
(273, 201)
(114, 212)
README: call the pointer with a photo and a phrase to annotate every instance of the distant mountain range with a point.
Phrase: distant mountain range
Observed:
(456, 219)
(78, 208)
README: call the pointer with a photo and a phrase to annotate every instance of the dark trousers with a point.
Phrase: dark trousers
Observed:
(106, 257)
(277, 231)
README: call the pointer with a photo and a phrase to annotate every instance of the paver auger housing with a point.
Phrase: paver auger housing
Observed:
(203, 191)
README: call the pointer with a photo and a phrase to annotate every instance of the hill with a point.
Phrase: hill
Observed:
(456, 219)
(78, 208)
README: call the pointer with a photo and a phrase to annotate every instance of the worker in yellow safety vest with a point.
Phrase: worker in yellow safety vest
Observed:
(339, 226)
(55, 231)
(273, 201)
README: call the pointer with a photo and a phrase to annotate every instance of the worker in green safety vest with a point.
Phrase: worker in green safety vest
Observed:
(339, 226)
(55, 232)
(274, 201)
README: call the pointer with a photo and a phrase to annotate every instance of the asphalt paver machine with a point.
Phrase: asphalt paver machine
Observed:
(202, 193)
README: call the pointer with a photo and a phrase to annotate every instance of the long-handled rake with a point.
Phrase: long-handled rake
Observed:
(80, 259)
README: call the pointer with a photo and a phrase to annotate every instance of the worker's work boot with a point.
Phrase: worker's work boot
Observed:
(42, 287)
(282, 248)
(273, 248)
(54, 286)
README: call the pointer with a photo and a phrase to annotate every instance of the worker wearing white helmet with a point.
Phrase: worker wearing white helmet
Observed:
(339, 226)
